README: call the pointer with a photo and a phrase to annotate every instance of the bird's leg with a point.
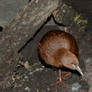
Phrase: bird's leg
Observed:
(66, 75)
(60, 81)
(60, 75)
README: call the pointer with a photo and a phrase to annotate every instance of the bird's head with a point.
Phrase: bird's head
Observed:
(71, 61)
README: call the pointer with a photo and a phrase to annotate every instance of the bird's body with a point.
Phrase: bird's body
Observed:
(58, 48)
(54, 44)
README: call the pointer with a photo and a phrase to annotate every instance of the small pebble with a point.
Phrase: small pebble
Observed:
(42, 66)
(27, 89)
(75, 87)
(48, 89)
(26, 77)
(30, 73)
(37, 69)
(27, 65)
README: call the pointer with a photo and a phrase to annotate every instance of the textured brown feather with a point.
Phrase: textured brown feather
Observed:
(50, 45)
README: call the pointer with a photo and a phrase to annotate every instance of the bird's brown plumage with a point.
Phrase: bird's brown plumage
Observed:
(54, 44)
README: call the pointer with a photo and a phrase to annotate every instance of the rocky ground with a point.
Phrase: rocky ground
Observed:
(40, 77)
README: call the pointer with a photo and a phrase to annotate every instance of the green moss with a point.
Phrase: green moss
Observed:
(70, 7)
(79, 19)
(83, 21)
(77, 14)
(37, 90)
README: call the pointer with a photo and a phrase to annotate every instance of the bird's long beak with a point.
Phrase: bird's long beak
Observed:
(79, 70)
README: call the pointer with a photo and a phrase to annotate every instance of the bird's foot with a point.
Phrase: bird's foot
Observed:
(59, 83)
(66, 75)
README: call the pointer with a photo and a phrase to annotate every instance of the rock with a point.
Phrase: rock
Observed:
(9, 9)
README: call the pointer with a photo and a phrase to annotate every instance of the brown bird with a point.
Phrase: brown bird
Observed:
(59, 49)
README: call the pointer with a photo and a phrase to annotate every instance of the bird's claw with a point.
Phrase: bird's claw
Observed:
(59, 83)
(66, 75)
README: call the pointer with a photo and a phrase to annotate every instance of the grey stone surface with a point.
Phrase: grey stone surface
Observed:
(9, 9)
(40, 80)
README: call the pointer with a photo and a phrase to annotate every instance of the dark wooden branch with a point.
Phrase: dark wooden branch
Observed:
(24, 26)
